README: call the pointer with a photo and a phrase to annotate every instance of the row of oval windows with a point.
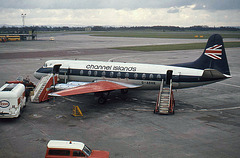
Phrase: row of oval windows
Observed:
(136, 75)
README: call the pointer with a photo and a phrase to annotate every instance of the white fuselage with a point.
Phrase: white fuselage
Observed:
(147, 75)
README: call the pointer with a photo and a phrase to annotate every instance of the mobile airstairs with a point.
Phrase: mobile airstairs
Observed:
(165, 102)
(43, 88)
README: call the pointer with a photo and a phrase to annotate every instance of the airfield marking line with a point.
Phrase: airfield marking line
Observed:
(140, 54)
(72, 100)
(230, 85)
(111, 59)
(36, 127)
(192, 110)
(222, 109)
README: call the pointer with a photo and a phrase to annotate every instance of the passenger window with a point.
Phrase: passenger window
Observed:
(135, 75)
(78, 153)
(81, 72)
(151, 76)
(158, 76)
(63, 71)
(89, 73)
(103, 73)
(59, 152)
(143, 76)
(111, 74)
(95, 73)
(119, 74)
(126, 75)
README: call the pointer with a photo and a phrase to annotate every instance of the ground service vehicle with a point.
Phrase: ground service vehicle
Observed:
(68, 149)
(12, 100)
(5, 38)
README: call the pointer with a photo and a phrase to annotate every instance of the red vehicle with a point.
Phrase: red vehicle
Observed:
(72, 149)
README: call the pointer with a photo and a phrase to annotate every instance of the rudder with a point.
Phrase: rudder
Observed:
(213, 56)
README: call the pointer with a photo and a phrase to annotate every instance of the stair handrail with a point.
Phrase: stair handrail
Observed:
(39, 85)
(160, 92)
(170, 93)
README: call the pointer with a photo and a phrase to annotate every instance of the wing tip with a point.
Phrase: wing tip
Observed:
(54, 95)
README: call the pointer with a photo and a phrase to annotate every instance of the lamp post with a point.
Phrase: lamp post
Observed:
(23, 16)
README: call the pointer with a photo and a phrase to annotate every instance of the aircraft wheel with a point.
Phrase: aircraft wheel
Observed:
(124, 91)
(100, 94)
(102, 100)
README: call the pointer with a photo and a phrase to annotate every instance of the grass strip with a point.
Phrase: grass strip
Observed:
(157, 34)
(169, 47)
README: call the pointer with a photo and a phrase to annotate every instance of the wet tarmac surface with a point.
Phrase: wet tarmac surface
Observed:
(205, 123)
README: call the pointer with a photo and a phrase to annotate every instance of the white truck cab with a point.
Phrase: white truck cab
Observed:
(12, 100)
(72, 149)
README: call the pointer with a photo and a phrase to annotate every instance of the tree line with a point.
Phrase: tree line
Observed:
(14, 29)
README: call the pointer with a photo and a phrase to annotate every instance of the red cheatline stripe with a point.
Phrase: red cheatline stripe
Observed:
(214, 51)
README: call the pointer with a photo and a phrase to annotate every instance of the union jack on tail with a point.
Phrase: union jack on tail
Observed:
(214, 52)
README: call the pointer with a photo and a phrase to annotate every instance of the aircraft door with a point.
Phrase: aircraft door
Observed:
(169, 76)
(56, 68)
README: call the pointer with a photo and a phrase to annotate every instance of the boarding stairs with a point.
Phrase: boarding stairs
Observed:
(43, 88)
(165, 102)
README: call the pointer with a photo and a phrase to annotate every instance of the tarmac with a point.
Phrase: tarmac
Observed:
(205, 123)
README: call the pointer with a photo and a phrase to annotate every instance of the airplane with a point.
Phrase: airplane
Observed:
(101, 77)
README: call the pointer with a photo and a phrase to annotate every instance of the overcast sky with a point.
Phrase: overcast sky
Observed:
(121, 12)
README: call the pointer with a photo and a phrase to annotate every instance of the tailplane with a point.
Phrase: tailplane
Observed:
(213, 57)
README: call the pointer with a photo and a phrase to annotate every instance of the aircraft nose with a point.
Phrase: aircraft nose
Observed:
(37, 75)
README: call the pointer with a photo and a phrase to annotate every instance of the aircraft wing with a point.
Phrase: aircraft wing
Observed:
(98, 86)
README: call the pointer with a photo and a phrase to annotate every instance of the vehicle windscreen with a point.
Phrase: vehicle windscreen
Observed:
(9, 87)
(87, 150)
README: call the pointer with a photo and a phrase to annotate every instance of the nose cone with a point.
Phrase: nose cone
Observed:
(42, 72)
(37, 75)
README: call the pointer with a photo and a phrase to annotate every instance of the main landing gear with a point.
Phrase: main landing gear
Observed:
(102, 100)
(102, 96)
